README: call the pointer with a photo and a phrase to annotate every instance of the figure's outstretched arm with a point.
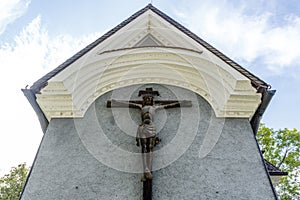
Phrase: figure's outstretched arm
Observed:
(118, 103)
(175, 104)
(170, 105)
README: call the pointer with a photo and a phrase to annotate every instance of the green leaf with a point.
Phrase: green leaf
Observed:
(282, 149)
(12, 184)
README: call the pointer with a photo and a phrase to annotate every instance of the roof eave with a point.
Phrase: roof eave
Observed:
(30, 95)
(267, 95)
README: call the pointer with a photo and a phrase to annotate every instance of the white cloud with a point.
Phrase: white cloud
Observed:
(247, 36)
(31, 55)
(10, 10)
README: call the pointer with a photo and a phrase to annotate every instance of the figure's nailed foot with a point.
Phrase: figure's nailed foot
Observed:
(157, 140)
(143, 179)
(148, 174)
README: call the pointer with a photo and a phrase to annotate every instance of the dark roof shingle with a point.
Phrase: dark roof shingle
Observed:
(273, 170)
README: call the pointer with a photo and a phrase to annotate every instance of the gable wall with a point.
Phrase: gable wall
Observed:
(200, 156)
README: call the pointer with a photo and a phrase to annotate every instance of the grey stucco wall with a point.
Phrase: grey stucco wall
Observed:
(200, 156)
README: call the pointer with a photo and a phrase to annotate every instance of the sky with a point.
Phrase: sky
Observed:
(37, 35)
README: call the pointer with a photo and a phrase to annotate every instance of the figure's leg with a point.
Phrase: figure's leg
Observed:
(148, 167)
(151, 143)
(144, 155)
(150, 154)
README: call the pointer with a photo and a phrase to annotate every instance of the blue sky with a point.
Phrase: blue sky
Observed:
(36, 36)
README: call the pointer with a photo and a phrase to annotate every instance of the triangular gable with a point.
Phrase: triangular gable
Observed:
(39, 84)
(148, 32)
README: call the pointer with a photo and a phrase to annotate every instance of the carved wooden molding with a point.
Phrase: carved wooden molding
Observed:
(72, 91)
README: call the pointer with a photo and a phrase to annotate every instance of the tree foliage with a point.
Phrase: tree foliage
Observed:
(12, 184)
(282, 148)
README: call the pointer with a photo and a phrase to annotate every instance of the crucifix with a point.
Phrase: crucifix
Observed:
(146, 132)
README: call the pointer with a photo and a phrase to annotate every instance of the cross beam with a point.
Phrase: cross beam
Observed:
(127, 104)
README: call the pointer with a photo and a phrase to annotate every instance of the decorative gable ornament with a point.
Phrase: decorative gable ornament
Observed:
(148, 47)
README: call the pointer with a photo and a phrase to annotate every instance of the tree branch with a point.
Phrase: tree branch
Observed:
(284, 156)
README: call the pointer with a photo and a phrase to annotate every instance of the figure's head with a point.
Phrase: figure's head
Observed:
(148, 100)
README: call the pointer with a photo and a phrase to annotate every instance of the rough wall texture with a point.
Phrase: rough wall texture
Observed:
(200, 156)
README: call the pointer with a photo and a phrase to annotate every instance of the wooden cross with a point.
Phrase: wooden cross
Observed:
(146, 134)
